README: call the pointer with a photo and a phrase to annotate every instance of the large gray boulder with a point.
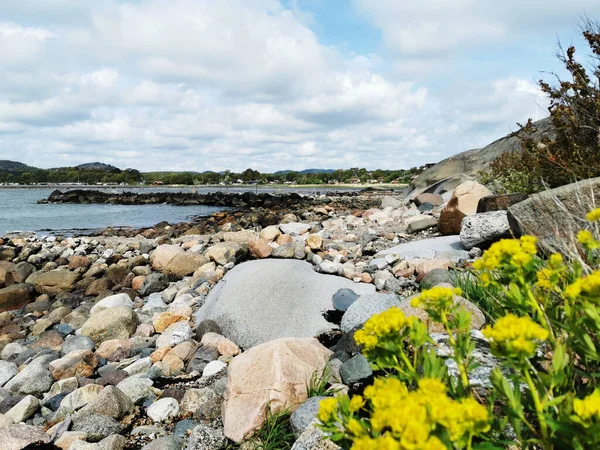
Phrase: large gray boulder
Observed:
(262, 300)
(444, 247)
(366, 307)
(556, 215)
(483, 229)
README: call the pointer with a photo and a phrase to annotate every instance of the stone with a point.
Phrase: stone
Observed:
(286, 294)
(391, 202)
(155, 282)
(113, 323)
(270, 233)
(204, 437)
(285, 251)
(77, 343)
(114, 349)
(163, 409)
(555, 216)
(65, 441)
(34, 379)
(343, 298)
(184, 264)
(24, 410)
(174, 363)
(419, 223)
(19, 436)
(185, 350)
(463, 203)
(174, 334)
(166, 319)
(221, 343)
(99, 286)
(193, 399)
(111, 402)
(162, 255)
(242, 236)
(305, 414)
(78, 363)
(356, 369)
(444, 247)
(77, 262)
(56, 281)
(201, 358)
(294, 228)
(112, 301)
(366, 307)
(314, 241)
(207, 326)
(226, 252)
(432, 199)
(137, 282)
(499, 202)
(81, 397)
(15, 296)
(140, 366)
(19, 273)
(112, 442)
(213, 368)
(163, 443)
(273, 374)
(260, 248)
(7, 371)
(314, 438)
(435, 277)
(481, 230)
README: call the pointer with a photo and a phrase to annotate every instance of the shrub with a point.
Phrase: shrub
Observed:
(573, 152)
(545, 392)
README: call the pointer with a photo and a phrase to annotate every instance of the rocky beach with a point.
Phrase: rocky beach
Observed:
(180, 336)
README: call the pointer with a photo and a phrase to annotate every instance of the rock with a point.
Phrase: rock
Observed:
(444, 247)
(111, 402)
(556, 215)
(314, 241)
(213, 368)
(56, 281)
(24, 410)
(155, 282)
(499, 202)
(274, 373)
(463, 203)
(224, 346)
(193, 399)
(343, 298)
(34, 379)
(294, 228)
(418, 223)
(163, 409)
(365, 307)
(114, 349)
(162, 255)
(163, 443)
(166, 319)
(139, 366)
(15, 296)
(270, 233)
(391, 202)
(65, 441)
(305, 414)
(481, 230)
(201, 358)
(112, 301)
(226, 252)
(113, 442)
(184, 264)
(81, 397)
(174, 334)
(7, 371)
(113, 323)
(207, 326)
(19, 436)
(434, 277)
(284, 251)
(286, 294)
(77, 343)
(19, 273)
(78, 363)
(204, 437)
(313, 438)
(432, 199)
(260, 248)
(356, 369)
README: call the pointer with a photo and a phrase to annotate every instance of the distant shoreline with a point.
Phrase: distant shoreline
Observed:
(213, 186)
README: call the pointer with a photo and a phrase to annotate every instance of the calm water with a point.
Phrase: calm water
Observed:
(19, 211)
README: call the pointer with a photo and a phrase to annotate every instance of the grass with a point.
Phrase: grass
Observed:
(481, 296)
(276, 433)
(318, 384)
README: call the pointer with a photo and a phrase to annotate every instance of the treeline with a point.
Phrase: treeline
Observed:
(71, 175)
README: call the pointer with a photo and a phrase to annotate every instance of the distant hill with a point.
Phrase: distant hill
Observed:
(305, 171)
(14, 166)
(97, 166)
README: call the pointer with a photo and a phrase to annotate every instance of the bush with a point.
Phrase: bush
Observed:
(573, 152)
(546, 333)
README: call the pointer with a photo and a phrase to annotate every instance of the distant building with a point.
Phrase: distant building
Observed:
(157, 183)
(354, 180)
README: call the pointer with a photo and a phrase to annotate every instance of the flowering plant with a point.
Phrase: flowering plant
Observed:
(545, 332)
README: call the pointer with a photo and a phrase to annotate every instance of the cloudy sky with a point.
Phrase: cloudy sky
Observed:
(291, 84)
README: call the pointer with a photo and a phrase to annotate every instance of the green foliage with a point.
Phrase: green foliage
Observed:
(276, 433)
(545, 331)
(573, 153)
(318, 385)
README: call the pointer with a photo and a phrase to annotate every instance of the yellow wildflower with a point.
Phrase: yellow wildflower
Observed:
(586, 238)
(587, 287)
(515, 336)
(515, 253)
(327, 410)
(555, 261)
(354, 427)
(588, 407)
(544, 279)
(432, 386)
(390, 322)
(356, 403)
(437, 298)
(594, 215)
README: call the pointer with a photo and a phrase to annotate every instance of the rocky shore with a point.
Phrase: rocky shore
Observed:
(180, 336)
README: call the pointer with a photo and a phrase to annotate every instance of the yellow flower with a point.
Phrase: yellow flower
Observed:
(588, 407)
(437, 298)
(356, 403)
(544, 279)
(513, 253)
(354, 427)
(586, 238)
(515, 336)
(432, 386)
(388, 323)
(586, 287)
(594, 215)
(327, 410)
(555, 261)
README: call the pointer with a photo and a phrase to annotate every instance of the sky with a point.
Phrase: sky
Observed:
(293, 84)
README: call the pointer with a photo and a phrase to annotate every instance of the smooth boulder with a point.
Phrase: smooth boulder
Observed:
(113, 323)
(481, 230)
(463, 203)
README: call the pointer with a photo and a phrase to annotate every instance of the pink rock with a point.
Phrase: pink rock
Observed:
(223, 345)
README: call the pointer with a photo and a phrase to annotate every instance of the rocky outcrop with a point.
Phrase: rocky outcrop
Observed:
(481, 230)
(463, 203)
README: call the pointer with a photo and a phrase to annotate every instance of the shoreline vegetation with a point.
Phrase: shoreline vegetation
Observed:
(248, 187)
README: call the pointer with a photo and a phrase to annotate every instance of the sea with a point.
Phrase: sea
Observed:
(19, 210)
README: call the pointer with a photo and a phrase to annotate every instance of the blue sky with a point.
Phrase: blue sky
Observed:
(291, 84)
